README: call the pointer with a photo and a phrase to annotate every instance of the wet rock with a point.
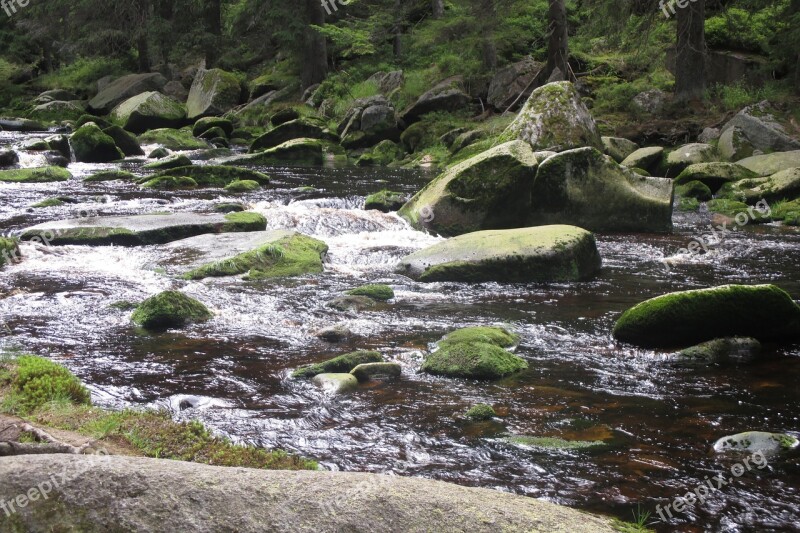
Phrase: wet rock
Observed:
(169, 309)
(377, 371)
(208, 123)
(769, 164)
(296, 151)
(173, 139)
(732, 349)
(9, 251)
(91, 145)
(169, 162)
(57, 111)
(242, 186)
(492, 335)
(335, 333)
(480, 412)
(715, 175)
(694, 189)
(170, 183)
(124, 140)
(35, 175)
(229, 207)
(756, 441)
(283, 116)
(764, 312)
(21, 124)
(213, 92)
(708, 135)
(783, 185)
(759, 129)
(568, 185)
(447, 95)
(472, 360)
(646, 158)
(545, 444)
(149, 111)
(259, 254)
(554, 118)
(141, 229)
(216, 175)
(158, 153)
(295, 129)
(509, 83)
(618, 148)
(8, 158)
(378, 292)
(351, 303)
(341, 364)
(385, 201)
(335, 383)
(123, 88)
(367, 122)
(110, 175)
(488, 191)
(733, 145)
(537, 254)
(689, 154)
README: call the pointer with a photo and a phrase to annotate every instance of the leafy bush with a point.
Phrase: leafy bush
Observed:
(740, 29)
(738, 95)
(36, 381)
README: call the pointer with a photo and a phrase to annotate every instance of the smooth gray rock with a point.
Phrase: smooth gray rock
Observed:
(123, 88)
(335, 383)
(760, 129)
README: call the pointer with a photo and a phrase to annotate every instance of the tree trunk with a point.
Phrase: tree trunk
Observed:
(437, 6)
(212, 13)
(315, 64)
(144, 52)
(558, 43)
(397, 30)
(690, 59)
(487, 14)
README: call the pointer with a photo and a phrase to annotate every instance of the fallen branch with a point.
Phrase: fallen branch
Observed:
(50, 444)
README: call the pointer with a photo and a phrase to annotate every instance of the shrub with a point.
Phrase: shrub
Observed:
(37, 381)
(82, 74)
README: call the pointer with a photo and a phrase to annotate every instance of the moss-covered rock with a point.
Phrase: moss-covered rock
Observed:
(295, 129)
(91, 145)
(694, 189)
(169, 162)
(207, 123)
(490, 335)
(480, 412)
(149, 111)
(689, 154)
(376, 292)
(488, 191)
(158, 153)
(472, 360)
(173, 139)
(9, 251)
(169, 309)
(756, 441)
(554, 443)
(783, 185)
(764, 312)
(124, 140)
(769, 164)
(555, 118)
(687, 204)
(648, 158)
(241, 186)
(721, 350)
(341, 364)
(351, 303)
(296, 151)
(280, 254)
(213, 92)
(733, 145)
(56, 111)
(382, 154)
(123, 88)
(729, 208)
(110, 175)
(377, 371)
(585, 188)
(385, 201)
(618, 148)
(170, 183)
(35, 175)
(217, 175)
(335, 383)
(538, 254)
(49, 202)
(714, 175)
(446, 96)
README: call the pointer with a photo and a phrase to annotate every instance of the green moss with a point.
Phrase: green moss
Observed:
(217, 175)
(169, 309)
(170, 183)
(472, 360)
(9, 250)
(555, 443)
(726, 207)
(481, 411)
(35, 175)
(694, 189)
(293, 255)
(497, 336)
(764, 312)
(240, 186)
(110, 175)
(169, 162)
(36, 381)
(173, 139)
(376, 292)
(208, 123)
(385, 201)
(688, 204)
(91, 145)
(124, 305)
(50, 202)
(244, 221)
(341, 364)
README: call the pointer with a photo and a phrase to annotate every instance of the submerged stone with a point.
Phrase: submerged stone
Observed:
(554, 443)
(217, 175)
(335, 383)
(35, 175)
(756, 441)
(539, 254)
(340, 364)
(376, 292)
(377, 371)
(734, 349)
(169, 309)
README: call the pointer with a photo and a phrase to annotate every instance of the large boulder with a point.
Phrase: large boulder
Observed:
(91, 145)
(340, 364)
(447, 95)
(475, 353)
(141, 229)
(148, 111)
(173, 139)
(213, 92)
(688, 154)
(57, 111)
(297, 152)
(764, 312)
(554, 118)
(507, 85)
(123, 88)
(733, 145)
(769, 164)
(294, 129)
(648, 158)
(21, 124)
(758, 127)
(618, 148)
(169, 309)
(540, 254)
(8, 158)
(35, 175)
(585, 188)
(138, 494)
(714, 175)
(488, 191)
(216, 175)
(368, 122)
(783, 185)
(124, 140)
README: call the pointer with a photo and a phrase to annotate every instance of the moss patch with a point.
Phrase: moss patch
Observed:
(341, 364)
(110, 175)
(497, 336)
(481, 411)
(91, 145)
(9, 250)
(472, 360)
(169, 309)
(217, 175)
(241, 186)
(170, 183)
(35, 175)
(376, 292)
(173, 139)
(35, 381)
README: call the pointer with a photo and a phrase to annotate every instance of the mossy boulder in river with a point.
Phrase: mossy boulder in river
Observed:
(472, 360)
(91, 145)
(377, 371)
(783, 185)
(756, 441)
(141, 229)
(480, 412)
(769, 164)
(585, 188)
(764, 312)
(170, 183)
(9, 251)
(554, 443)
(688, 154)
(731, 349)
(260, 255)
(295, 129)
(169, 162)
(241, 186)
(342, 363)
(35, 175)
(714, 175)
(385, 201)
(169, 309)
(110, 175)
(335, 383)
(694, 189)
(497, 336)
(149, 111)
(213, 92)
(555, 118)
(488, 191)
(124, 140)
(217, 175)
(540, 254)
(297, 151)
(207, 123)
(376, 292)
(173, 139)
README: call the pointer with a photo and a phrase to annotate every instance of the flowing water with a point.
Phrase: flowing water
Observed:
(661, 418)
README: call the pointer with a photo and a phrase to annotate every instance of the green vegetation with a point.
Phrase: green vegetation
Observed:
(497, 336)
(35, 175)
(169, 309)
(32, 382)
(472, 360)
(480, 411)
(9, 249)
(341, 364)
(376, 292)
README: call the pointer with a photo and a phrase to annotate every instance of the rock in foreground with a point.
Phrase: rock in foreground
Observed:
(160, 495)
(540, 254)
(764, 312)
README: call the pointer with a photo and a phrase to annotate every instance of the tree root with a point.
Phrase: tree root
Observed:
(49, 444)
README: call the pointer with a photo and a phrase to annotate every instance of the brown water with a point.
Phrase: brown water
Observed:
(662, 419)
